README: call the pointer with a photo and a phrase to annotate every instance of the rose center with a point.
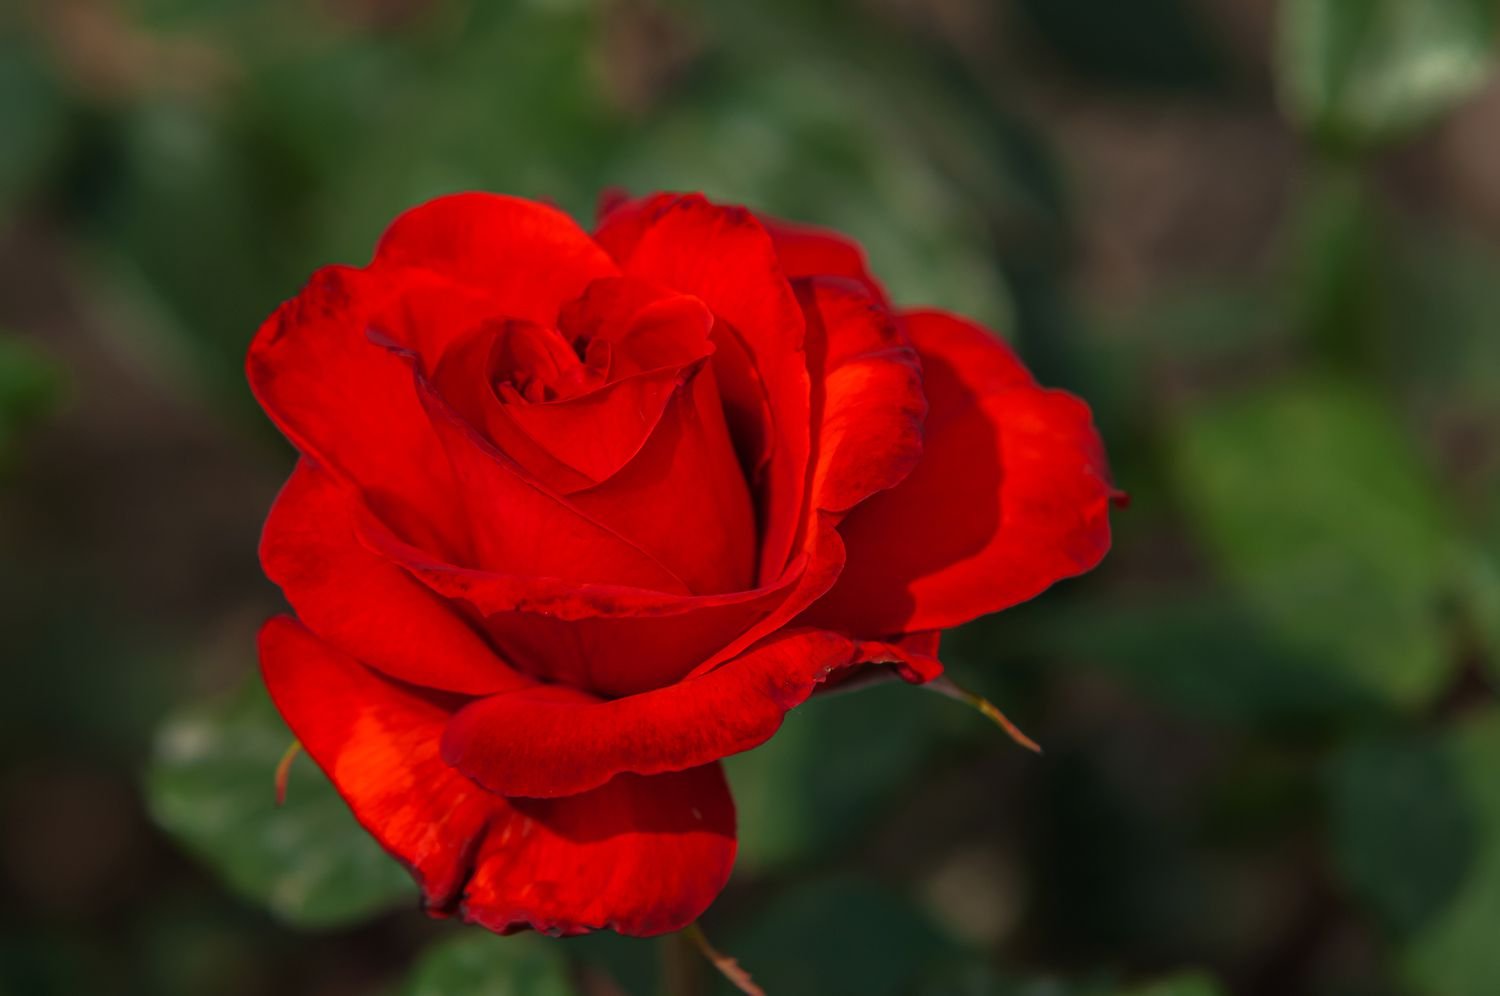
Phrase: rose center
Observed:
(536, 365)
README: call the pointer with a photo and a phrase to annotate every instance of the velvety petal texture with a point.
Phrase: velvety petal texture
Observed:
(577, 515)
(638, 855)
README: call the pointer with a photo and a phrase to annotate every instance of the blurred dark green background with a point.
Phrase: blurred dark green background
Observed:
(1262, 239)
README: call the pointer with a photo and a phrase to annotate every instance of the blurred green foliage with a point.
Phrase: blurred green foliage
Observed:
(1358, 71)
(29, 387)
(1286, 487)
(1416, 824)
(211, 783)
(1270, 718)
(484, 966)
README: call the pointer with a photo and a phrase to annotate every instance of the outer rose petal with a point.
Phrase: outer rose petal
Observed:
(639, 855)
(1011, 494)
(439, 269)
(557, 741)
(724, 256)
(868, 395)
(363, 603)
(810, 251)
(530, 257)
(352, 406)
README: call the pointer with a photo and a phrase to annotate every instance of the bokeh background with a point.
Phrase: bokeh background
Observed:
(1263, 239)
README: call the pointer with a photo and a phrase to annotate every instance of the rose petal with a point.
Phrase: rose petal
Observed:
(462, 381)
(870, 404)
(684, 497)
(1011, 494)
(621, 220)
(811, 251)
(608, 639)
(591, 635)
(557, 741)
(723, 256)
(352, 406)
(363, 603)
(575, 442)
(640, 856)
(426, 311)
(650, 328)
(518, 526)
(529, 257)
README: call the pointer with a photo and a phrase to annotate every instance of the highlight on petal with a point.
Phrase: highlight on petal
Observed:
(638, 855)
(529, 257)
(557, 741)
(1011, 494)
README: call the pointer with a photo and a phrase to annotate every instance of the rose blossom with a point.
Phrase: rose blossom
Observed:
(576, 517)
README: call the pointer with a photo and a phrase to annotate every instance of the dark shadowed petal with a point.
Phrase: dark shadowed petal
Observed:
(1011, 494)
(609, 640)
(614, 640)
(868, 395)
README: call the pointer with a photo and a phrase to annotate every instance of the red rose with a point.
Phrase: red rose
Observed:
(577, 517)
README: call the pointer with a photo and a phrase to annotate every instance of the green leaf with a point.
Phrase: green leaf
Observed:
(33, 119)
(211, 784)
(821, 780)
(1185, 984)
(1207, 657)
(978, 979)
(1147, 43)
(1338, 286)
(1448, 287)
(1319, 514)
(481, 964)
(458, 124)
(1358, 71)
(840, 935)
(29, 386)
(1405, 833)
(1416, 824)
(632, 964)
